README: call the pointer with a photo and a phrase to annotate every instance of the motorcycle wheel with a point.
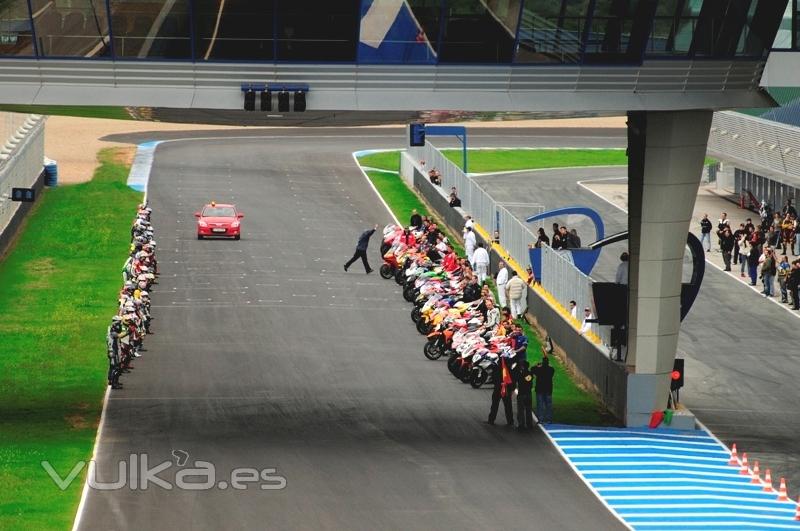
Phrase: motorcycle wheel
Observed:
(400, 276)
(452, 362)
(408, 294)
(431, 350)
(466, 374)
(423, 327)
(415, 314)
(479, 377)
(386, 271)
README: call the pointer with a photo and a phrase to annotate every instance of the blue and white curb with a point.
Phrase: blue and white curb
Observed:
(670, 479)
(139, 175)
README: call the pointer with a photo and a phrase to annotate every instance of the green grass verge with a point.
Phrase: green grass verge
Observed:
(497, 160)
(81, 111)
(59, 290)
(571, 404)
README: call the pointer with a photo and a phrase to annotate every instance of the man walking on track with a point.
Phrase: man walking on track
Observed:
(361, 250)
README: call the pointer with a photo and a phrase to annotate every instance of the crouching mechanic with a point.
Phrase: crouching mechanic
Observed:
(115, 330)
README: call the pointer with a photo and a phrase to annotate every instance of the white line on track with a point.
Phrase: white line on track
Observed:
(90, 470)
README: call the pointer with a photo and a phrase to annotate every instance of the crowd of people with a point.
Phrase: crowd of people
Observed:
(131, 323)
(562, 238)
(423, 246)
(761, 250)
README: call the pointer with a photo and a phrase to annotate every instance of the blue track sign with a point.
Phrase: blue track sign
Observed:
(26, 195)
(417, 134)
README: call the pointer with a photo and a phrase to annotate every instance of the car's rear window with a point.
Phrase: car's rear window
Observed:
(218, 212)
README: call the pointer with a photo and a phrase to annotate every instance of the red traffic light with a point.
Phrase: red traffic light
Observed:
(676, 375)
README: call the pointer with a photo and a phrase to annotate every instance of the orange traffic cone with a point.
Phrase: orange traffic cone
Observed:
(797, 512)
(734, 456)
(782, 495)
(745, 470)
(768, 482)
(756, 474)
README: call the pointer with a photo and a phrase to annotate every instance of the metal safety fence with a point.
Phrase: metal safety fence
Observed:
(559, 276)
(21, 157)
(565, 283)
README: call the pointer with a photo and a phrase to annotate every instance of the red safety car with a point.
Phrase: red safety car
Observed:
(217, 219)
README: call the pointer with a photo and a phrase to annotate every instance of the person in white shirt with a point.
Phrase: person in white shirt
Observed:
(573, 309)
(622, 270)
(586, 326)
(469, 223)
(501, 280)
(470, 244)
(481, 260)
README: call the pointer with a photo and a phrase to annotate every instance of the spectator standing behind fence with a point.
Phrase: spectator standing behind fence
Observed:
(454, 200)
(555, 241)
(705, 232)
(586, 327)
(573, 309)
(622, 269)
(542, 239)
(481, 260)
(573, 240)
(516, 290)
(469, 243)
(500, 281)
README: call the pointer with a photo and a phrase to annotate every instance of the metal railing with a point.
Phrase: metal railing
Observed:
(21, 158)
(565, 283)
(559, 276)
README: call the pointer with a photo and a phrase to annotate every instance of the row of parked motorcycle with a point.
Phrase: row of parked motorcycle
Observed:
(459, 329)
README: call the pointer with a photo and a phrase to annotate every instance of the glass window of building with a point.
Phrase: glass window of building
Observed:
(16, 37)
(151, 28)
(619, 31)
(317, 31)
(75, 28)
(236, 30)
(551, 31)
(478, 31)
(783, 40)
(399, 32)
(760, 26)
(673, 27)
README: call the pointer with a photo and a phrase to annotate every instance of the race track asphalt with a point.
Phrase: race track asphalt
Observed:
(268, 355)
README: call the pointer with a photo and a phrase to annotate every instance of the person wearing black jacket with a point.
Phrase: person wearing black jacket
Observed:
(501, 392)
(524, 398)
(361, 250)
(705, 232)
(793, 283)
(726, 243)
(416, 219)
(544, 390)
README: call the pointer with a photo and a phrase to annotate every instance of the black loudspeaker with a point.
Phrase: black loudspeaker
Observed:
(299, 101)
(610, 303)
(266, 100)
(250, 100)
(283, 101)
(676, 381)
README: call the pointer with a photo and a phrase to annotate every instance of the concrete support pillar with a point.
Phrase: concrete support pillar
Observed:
(666, 151)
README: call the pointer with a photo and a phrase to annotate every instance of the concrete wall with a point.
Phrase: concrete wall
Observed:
(8, 234)
(607, 378)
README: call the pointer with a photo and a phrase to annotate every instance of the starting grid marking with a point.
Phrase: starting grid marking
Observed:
(670, 480)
